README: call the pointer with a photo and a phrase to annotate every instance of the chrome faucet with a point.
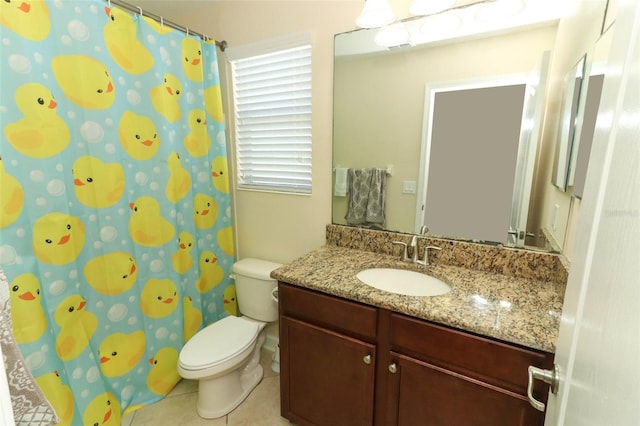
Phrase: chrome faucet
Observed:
(412, 248)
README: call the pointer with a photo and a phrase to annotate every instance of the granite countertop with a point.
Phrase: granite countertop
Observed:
(512, 309)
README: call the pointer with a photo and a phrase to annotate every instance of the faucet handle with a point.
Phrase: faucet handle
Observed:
(405, 255)
(425, 260)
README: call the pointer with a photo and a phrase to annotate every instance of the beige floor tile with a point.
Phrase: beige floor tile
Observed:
(183, 387)
(265, 361)
(262, 406)
(174, 411)
(127, 420)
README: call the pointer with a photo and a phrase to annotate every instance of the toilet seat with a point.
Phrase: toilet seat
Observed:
(218, 342)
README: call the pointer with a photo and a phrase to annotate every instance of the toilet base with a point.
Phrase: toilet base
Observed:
(218, 396)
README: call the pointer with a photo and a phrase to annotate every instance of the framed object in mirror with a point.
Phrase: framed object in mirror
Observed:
(594, 91)
(570, 123)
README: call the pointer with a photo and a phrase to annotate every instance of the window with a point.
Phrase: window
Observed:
(272, 116)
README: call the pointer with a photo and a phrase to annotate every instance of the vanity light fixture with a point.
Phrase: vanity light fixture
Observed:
(393, 36)
(429, 7)
(375, 14)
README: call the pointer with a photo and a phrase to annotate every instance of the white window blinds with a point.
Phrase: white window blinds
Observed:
(272, 102)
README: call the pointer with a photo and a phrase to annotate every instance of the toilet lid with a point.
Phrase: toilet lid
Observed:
(218, 342)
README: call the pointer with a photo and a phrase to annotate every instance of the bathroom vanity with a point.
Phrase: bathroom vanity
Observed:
(355, 355)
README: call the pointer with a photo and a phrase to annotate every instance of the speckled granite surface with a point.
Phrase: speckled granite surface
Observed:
(537, 265)
(525, 311)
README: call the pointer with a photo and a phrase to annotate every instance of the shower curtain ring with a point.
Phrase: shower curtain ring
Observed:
(187, 31)
(161, 21)
(140, 9)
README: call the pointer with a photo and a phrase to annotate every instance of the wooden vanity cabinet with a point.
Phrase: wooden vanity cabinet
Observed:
(327, 358)
(440, 376)
(345, 363)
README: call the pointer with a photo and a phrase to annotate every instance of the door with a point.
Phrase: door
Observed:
(489, 113)
(599, 343)
(327, 377)
(527, 151)
(422, 394)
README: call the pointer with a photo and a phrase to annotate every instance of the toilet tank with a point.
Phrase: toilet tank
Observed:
(254, 286)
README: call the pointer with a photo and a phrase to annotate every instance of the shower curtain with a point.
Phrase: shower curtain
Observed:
(115, 219)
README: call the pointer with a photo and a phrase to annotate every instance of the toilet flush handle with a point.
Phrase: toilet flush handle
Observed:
(274, 294)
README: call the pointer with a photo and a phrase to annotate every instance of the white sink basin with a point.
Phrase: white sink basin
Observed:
(401, 281)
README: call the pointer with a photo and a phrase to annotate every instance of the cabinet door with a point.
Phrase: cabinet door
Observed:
(427, 395)
(327, 379)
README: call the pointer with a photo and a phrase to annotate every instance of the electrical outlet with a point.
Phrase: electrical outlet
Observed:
(554, 217)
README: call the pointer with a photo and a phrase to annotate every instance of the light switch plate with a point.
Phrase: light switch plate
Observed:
(409, 187)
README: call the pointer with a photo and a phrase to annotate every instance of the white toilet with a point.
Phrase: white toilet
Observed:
(225, 356)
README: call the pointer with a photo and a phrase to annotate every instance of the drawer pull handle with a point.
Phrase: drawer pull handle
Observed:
(551, 377)
(393, 368)
(367, 359)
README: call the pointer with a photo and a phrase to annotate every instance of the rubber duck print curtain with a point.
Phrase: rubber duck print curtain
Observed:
(115, 226)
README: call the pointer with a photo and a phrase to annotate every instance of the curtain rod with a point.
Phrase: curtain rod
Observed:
(137, 9)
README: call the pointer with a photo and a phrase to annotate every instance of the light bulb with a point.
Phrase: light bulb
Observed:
(376, 13)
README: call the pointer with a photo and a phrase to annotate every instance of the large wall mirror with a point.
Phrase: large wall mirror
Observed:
(379, 112)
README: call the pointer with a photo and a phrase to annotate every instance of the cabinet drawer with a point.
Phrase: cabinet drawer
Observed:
(341, 315)
(494, 362)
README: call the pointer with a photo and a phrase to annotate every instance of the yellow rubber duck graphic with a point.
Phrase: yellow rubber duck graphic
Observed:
(123, 46)
(41, 133)
(11, 197)
(59, 395)
(205, 211)
(179, 183)
(163, 375)
(103, 410)
(159, 298)
(146, 226)
(226, 241)
(158, 26)
(220, 174)
(230, 300)
(211, 273)
(76, 327)
(197, 142)
(27, 315)
(120, 352)
(138, 136)
(213, 102)
(84, 80)
(27, 18)
(192, 59)
(112, 273)
(181, 259)
(97, 184)
(164, 98)
(58, 238)
(192, 318)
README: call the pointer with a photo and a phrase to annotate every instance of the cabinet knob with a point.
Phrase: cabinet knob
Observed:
(367, 359)
(393, 368)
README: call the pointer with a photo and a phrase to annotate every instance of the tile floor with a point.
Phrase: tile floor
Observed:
(261, 408)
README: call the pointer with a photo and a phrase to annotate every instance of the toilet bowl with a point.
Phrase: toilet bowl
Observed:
(225, 356)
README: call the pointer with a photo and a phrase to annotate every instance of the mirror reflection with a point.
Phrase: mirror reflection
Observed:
(379, 115)
(594, 90)
(573, 105)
